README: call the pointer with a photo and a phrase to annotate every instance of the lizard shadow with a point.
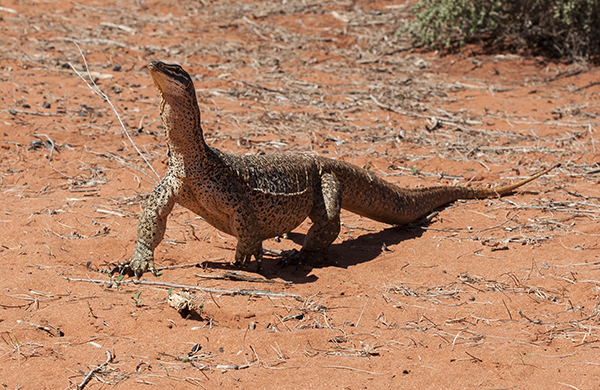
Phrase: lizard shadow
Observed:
(350, 252)
(272, 267)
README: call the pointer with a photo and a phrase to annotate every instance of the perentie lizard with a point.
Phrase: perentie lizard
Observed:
(257, 197)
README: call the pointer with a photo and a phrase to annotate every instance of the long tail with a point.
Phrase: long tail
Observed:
(368, 195)
(482, 193)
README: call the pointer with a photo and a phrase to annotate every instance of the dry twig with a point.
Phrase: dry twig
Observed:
(89, 375)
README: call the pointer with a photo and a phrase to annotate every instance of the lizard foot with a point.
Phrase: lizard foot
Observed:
(135, 267)
(298, 258)
(242, 261)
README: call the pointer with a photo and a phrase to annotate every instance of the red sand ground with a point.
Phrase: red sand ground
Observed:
(492, 294)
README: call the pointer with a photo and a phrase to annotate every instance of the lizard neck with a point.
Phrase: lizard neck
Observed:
(187, 149)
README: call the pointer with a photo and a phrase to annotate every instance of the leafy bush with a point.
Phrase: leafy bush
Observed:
(556, 28)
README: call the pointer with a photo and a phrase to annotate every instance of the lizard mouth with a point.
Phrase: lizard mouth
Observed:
(170, 79)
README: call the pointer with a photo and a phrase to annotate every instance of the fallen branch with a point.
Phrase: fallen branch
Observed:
(51, 144)
(353, 369)
(247, 292)
(87, 378)
(240, 277)
(96, 90)
(46, 329)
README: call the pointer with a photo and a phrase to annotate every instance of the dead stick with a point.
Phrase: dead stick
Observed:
(249, 292)
(474, 358)
(219, 291)
(510, 315)
(87, 378)
(238, 276)
(354, 369)
(96, 90)
(587, 86)
(51, 144)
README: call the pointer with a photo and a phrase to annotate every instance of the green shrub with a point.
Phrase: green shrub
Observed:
(556, 28)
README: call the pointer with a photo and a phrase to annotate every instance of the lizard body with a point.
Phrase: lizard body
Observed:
(257, 197)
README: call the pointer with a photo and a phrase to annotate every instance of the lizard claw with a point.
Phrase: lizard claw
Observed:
(121, 269)
(136, 266)
(242, 261)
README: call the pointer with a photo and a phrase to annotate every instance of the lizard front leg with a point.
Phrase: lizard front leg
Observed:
(151, 229)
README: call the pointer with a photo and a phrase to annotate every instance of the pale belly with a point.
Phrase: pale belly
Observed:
(275, 214)
(280, 214)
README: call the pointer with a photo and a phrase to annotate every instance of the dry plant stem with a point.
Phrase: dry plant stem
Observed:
(87, 378)
(362, 311)
(99, 92)
(248, 292)
(44, 328)
(353, 369)
(568, 385)
(240, 277)
(231, 367)
(52, 146)
(244, 347)
(192, 265)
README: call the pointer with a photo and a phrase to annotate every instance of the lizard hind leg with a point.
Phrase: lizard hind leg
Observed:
(325, 216)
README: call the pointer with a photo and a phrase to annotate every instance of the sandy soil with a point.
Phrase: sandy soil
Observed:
(491, 294)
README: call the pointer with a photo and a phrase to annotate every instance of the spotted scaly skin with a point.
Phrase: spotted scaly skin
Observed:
(257, 197)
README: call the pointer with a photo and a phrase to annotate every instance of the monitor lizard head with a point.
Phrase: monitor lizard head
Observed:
(179, 111)
(171, 80)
